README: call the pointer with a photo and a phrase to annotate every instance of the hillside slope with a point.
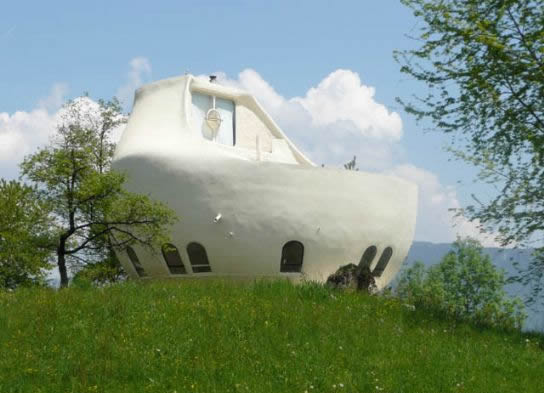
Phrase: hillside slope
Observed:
(269, 336)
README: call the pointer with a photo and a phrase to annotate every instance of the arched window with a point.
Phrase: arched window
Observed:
(382, 262)
(198, 258)
(173, 259)
(368, 256)
(135, 262)
(291, 257)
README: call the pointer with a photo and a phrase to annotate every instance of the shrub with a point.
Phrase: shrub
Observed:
(24, 236)
(465, 286)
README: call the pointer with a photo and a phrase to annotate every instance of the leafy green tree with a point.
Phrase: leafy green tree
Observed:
(93, 214)
(24, 235)
(464, 285)
(482, 62)
(106, 271)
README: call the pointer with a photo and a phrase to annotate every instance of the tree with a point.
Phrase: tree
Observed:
(464, 285)
(483, 64)
(24, 235)
(92, 213)
(106, 271)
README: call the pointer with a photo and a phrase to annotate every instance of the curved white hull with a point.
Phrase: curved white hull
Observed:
(335, 214)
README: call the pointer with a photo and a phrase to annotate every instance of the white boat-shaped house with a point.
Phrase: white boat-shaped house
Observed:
(249, 202)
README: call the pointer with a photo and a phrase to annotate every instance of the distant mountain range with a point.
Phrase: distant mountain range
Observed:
(432, 253)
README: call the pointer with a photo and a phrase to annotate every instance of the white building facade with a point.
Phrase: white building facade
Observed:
(250, 204)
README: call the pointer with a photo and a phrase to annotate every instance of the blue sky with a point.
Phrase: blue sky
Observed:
(298, 55)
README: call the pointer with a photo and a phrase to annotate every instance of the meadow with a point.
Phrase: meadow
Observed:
(261, 336)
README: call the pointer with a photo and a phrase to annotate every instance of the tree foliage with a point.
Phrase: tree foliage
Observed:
(92, 213)
(106, 271)
(483, 64)
(24, 235)
(464, 285)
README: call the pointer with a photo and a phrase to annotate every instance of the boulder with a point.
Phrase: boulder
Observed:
(354, 277)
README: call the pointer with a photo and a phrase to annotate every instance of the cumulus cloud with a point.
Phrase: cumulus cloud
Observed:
(55, 99)
(341, 97)
(22, 132)
(139, 72)
(86, 113)
(436, 222)
(340, 100)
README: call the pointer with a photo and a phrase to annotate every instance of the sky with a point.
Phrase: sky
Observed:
(324, 70)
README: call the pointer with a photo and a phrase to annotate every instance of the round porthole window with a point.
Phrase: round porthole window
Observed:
(213, 119)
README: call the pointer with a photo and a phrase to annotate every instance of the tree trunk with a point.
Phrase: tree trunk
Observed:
(61, 262)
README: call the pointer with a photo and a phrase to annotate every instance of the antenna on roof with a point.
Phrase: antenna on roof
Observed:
(213, 78)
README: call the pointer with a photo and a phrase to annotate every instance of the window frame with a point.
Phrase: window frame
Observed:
(384, 260)
(175, 269)
(369, 255)
(136, 264)
(198, 267)
(292, 267)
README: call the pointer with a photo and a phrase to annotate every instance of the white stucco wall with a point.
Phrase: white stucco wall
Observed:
(249, 127)
(335, 214)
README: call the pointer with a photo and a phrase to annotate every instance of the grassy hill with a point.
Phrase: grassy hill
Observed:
(266, 336)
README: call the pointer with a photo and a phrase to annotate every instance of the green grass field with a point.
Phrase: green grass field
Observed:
(267, 336)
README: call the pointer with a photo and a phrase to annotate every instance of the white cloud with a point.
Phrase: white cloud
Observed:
(140, 71)
(252, 82)
(86, 112)
(435, 221)
(56, 98)
(22, 132)
(339, 100)
(341, 97)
